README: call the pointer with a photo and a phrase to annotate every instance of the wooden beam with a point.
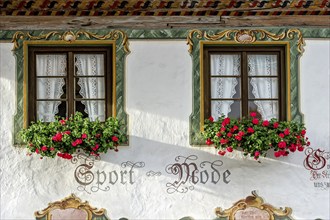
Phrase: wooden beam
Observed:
(158, 22)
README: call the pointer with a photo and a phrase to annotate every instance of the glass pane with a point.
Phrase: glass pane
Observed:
(265, 109)
(225, 65)
(90, 88)
(46, 110)
(89, 64)
(50, 88)
(225, 87)
(266, 88)
(51, 65)
(262, 65)
(228, 108)
(92, 108)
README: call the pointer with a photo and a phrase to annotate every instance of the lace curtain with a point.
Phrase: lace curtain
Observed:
(52, 88)
(264, 65)
(92, 87)
(223, 87)
(49, 88)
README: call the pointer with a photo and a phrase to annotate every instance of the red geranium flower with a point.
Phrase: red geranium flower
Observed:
(114, 139)
(250, 130)
(255, 121)
(223, 141)
(265, 123)
(300, 148)
(222, 152)
(253, 114)
(96, 147)
(211, 119)
(282, 144)
(234, 128)
(209, 142)
(277, 154)
(225, 121)
(275, 125)
(287, 131)
(57, 137)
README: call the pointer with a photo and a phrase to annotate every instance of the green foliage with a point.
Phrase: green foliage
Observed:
(254, 136)
(64, 137)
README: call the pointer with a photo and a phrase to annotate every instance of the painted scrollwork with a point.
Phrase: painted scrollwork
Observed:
(245, 36)
(253, 202)
(300, 43)
(71, 202)
(70, 36)
(199, 35)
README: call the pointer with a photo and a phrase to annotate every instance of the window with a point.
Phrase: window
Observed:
(242, 79)
(65, 80)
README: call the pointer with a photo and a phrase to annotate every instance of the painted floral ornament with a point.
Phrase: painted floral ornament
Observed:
(69, 36)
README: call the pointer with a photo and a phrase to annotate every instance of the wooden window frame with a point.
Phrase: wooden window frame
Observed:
(33, 51)
(244, 50)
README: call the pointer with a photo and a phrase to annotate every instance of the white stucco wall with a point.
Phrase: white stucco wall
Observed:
(159, 102)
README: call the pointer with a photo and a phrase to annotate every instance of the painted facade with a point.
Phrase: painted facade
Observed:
(158, 96)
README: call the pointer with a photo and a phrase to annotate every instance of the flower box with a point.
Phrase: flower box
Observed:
(64, 137)
(254, 136)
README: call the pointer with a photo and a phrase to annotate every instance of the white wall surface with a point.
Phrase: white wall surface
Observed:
(159, 102)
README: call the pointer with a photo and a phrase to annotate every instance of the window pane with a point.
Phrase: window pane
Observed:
(89, 64)
(50, 88)
(90, 88)
(225, 64)
(94, 109)
(225, 87)
(51, 65)
(266, 88)
(266, 109)
(46, 110)
(228, 108)
(262, 65)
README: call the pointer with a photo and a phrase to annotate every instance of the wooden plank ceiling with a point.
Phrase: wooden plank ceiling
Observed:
(97, 14)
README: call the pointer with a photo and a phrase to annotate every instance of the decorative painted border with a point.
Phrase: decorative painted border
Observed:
(256, 202)
(117, 38)
(163, 8)
(291, 38)
(71, 202)
(181, 33)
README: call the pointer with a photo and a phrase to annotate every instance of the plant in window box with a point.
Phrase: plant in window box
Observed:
(254, 136)
(64, 137)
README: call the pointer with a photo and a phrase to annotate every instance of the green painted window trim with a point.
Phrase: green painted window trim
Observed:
(291, 38)
(120, 44)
